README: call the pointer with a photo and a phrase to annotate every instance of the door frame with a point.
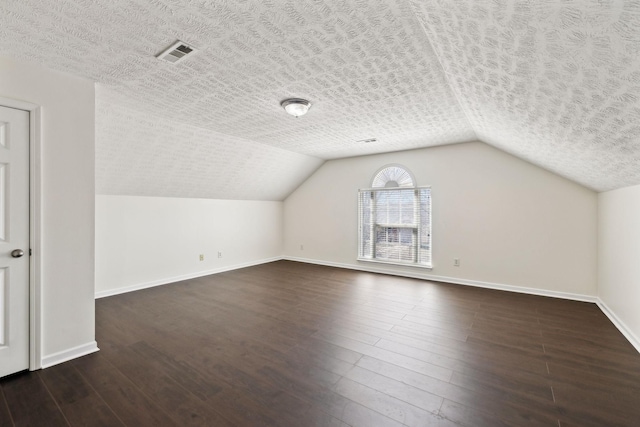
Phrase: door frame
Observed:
(35, 227)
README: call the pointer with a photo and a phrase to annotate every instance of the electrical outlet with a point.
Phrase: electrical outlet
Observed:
(201, 257)
(456, 262)
(219, 254)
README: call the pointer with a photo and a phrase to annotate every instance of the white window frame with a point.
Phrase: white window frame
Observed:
(367, 249)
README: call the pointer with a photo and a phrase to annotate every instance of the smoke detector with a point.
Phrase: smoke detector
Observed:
(176, 52)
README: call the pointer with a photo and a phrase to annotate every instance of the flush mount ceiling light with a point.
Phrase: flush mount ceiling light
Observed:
(296, 106)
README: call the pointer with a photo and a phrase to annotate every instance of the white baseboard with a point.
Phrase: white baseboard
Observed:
(426, 276)
(622, 327)
(145, 285)
(72, 353)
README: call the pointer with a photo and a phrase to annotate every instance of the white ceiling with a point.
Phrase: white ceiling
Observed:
(138, 153)
(556, 83)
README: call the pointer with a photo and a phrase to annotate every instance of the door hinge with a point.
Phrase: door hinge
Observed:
(29, 251)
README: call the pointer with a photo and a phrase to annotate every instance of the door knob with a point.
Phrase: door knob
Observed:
(17, 253)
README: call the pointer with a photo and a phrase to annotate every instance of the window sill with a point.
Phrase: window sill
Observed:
(400, 264)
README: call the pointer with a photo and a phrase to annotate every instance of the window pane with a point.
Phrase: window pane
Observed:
(395, 207)
(366, 243)
(395, 225)
(425, 227)
(395, 244)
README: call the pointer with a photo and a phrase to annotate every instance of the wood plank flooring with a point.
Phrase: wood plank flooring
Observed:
(292, 344)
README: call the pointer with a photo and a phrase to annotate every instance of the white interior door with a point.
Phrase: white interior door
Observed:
(14, 240)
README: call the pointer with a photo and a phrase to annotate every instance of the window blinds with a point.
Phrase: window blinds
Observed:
(395, 225)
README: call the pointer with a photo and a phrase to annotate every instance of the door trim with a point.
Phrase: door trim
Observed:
(35, 227)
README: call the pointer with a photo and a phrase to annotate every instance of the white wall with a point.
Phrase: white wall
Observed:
(146, 241)
(618, 258)
(509, 222)
(67, 202)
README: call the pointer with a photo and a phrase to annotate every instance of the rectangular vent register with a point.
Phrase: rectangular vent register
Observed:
(176, 52)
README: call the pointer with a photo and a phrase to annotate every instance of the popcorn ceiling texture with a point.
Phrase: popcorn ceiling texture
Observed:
(138, 153)
(555, 83)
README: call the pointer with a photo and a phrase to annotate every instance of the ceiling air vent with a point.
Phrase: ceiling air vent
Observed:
(176, 52)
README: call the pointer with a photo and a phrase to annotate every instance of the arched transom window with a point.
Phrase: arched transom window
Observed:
(393, 176)
(395, 219)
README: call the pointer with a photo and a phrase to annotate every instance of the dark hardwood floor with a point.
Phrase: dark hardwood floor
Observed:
(291, 344)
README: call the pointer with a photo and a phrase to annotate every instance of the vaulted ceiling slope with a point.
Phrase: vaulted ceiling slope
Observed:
(554, 82)
(140, 154)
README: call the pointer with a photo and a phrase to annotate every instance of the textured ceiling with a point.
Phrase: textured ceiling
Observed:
(138, 153)
(554, 82)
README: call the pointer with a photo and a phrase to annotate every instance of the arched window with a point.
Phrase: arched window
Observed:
(395, 219)
(393, 176)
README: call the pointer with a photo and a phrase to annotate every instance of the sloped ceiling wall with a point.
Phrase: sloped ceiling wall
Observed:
(554, 82)
(138, 153)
